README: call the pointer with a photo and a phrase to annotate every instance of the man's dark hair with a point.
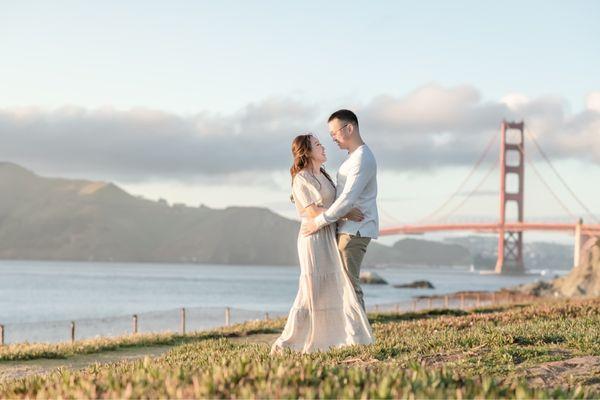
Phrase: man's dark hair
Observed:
(344, 115)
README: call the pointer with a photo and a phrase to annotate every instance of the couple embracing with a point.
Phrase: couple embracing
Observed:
(338, 222)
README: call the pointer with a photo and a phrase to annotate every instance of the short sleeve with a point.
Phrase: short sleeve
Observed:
(305, 193)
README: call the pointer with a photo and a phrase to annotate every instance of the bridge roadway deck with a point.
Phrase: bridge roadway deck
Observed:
(586, 229)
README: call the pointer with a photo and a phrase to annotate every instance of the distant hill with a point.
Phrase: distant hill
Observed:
(536, 255)
(64, 219)
(411, 251)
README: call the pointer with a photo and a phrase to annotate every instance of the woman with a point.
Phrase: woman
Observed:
(326, 312)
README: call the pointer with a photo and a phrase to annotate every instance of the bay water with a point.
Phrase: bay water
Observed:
(38, 299)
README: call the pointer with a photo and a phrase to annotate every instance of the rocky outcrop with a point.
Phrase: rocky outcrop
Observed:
(416, 285)
(582, 281)
(372, 278)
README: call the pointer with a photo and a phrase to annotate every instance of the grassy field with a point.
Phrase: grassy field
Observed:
(485, 353)
(32, 351)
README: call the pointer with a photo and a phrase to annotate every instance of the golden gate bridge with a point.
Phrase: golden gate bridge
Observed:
(512, 160)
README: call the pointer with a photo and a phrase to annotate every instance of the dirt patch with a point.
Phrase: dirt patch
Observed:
(20, 369)
(438, 360)
(360, 361)
(569, 373)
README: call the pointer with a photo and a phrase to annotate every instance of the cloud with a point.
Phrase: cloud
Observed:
(593, 101)
(430, 127)
(143, 144)
(434, 127)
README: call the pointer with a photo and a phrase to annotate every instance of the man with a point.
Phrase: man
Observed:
(356, 187)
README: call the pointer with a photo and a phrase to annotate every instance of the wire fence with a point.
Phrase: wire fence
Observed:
(184, 320)
(179, 320)
(464, 300)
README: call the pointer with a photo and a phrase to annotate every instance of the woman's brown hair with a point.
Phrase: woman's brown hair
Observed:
(302, 150)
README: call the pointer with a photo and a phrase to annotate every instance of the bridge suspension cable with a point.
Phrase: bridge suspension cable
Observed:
(560, 178)
(388, 215)
(541, 178)
(472, 192)
(464, 181)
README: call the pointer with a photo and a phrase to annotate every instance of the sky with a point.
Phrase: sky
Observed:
(198, 102)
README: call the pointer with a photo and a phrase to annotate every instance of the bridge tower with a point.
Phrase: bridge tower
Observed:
(512, 165)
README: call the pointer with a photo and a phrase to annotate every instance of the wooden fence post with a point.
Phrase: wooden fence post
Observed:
(446, 301)
(72, 331)
(462, 301)
(227, 316)
(182, 321)
(134, 324)
(1, 335)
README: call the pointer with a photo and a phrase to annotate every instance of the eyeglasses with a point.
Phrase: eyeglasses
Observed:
(337, 130)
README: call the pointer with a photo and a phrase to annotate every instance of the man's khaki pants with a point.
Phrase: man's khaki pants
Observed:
(352, 249)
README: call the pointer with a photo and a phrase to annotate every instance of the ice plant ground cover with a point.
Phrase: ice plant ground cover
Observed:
(539, 350)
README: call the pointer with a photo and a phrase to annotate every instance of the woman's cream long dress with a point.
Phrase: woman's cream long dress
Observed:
(326, 312)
